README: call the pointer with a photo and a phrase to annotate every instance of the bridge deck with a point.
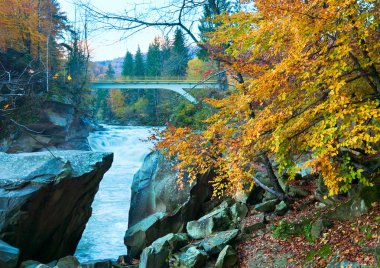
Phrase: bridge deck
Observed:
(178, 86)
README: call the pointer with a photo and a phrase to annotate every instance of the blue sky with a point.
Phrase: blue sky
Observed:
(107, 45)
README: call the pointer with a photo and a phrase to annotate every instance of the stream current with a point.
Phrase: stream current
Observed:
(104, 233)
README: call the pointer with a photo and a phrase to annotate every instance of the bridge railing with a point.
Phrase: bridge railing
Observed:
(150, 79)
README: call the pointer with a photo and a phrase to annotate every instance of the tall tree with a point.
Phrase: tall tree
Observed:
(139, 63)
(211, 9)
(110, 73)
(128, 63)
(311, 90)
(154, 60)
(179, 55)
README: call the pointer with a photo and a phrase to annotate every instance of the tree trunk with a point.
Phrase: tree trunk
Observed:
(273, 178)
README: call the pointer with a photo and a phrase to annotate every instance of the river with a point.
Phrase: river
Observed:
(104, 233)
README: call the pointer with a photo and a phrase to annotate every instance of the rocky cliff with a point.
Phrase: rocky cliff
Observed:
(59, 127)
(46, 199)
(158, 206)
(155, 189)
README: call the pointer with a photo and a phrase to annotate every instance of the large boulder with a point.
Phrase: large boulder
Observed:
(227, 258)
(155, 192)
(267, 206)
(215, 221)
(46, 198)
(157, 254)
(142, 234)
(8, 255)
(215, 243)
(60, 127)
(155, 189)
(191, 258)
(358, 203)
(68, 262)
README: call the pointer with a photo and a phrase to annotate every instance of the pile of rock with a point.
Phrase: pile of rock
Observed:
(207, 238)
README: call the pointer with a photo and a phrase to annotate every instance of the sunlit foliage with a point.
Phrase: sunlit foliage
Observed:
(311, 91)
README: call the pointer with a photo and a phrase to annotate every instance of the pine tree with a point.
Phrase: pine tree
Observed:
(139, 63)
(179, 57)
(128, 69)
(211, 9)
(153, 64)
(110, 73)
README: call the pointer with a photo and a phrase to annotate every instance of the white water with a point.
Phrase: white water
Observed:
(104, 233)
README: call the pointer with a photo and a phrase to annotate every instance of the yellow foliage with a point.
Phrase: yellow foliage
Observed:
(312, 88)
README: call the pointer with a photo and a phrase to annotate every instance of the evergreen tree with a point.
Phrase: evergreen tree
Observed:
(165, 55)
(179, 57)
(154, 61)
(211, 9)
(139, 63)
(110, 73)
(165, 49)
(128, 65)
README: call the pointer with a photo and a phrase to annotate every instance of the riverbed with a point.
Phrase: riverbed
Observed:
(103, 236)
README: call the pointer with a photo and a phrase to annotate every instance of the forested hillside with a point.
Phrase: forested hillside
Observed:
(42, 58)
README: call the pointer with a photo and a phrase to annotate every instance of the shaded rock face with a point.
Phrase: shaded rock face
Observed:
(60, 127)
(155, 192)
(8, 255)
(46, 201)
(155, 188)
(157, 254)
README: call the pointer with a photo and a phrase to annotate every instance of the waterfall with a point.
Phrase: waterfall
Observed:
(104, 233)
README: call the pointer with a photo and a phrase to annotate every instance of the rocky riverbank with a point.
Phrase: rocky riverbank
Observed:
(60, 127)
(188, 228)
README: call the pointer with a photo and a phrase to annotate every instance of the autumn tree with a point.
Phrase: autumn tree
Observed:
(309, 89)
(117, 100)
(198, 69)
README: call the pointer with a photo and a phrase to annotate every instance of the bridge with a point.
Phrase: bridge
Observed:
(181, 87)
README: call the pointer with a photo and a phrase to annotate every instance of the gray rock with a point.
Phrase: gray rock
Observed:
(46, 201)
(296, 192)
(267, 206)
(157, 254)
(8, 255)
(318, 226)
(155, 189)
(349, 210)
(206, 225)
(200, 229)
(60, 127)
(281, 208)
(191, 258)
(68, 262)
(97, 264)
(227, 257)
(238, 211)
(142, 234)
(253, 227)
(34, 264)
(215, 243)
